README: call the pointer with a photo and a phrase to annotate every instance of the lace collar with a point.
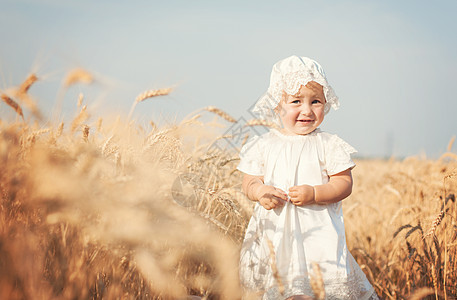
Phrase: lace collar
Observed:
(295, 136)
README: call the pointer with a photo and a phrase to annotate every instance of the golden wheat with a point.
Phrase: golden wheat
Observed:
(435, 224)
(449, 145)
(146, 95)
(101, 219)
(85, 131)
(422, 293)
(153, 93)
(78, 75)
(274, 268)
(60, 129)
(257, 122)
(25, 86)
(80, 99)
(220, 113)
(10, 102)
(317, 282)
(22, 94)
(80, 118)
(448, 154)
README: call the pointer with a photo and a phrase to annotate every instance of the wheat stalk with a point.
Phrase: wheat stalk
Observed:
(258, 122)
(435, 224)
(445, 266)
(317, 282)
(78, 75)
(213, 221)
(60, 129)
(448, 154)
(82, 116)
(146, 95)
(25, 86)
(99, 124)
(245, 139)
(21, 93)
(226, 161)
(105, 145)
(193, 120)
(80, 99)
(451, 142)
(30, 104)
(274, 268)
(435, 280)
(118, 162)
(85, 131)
(13, 104)
(241, 199)
(422, 293)
(401, 210)
(220, 113)
(34, 134)
(152, 93)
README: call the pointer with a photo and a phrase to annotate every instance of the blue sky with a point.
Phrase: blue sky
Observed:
(392, 63)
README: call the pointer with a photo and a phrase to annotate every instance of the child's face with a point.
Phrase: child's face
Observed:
(304, 111)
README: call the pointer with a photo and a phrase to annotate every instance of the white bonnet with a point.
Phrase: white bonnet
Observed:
(288, 75)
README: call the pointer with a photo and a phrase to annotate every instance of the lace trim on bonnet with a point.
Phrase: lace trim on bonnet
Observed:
(288, 75)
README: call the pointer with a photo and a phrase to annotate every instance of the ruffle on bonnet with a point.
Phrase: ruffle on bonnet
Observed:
(288, 75)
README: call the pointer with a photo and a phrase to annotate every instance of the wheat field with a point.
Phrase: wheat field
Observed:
(101, 207)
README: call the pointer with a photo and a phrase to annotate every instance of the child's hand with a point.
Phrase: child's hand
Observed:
(301, 194)
(271, 197)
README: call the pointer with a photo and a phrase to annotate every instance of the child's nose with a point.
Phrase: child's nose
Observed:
(306, 110)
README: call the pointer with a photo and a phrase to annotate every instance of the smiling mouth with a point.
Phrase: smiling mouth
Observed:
(305, 121)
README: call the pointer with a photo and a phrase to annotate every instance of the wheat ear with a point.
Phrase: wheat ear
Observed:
(146, 95)
(25, 86)
(317, 282)
(451, 142)
(21, 93)
(80, 99)
(220, 113)
(82, 116)
(78, 75)
(274, 268)
(13, 104)
(60, 129)
(435, 224)
(99, 124)
(85, 133)
(258, 122)
(448, 154)
(422, 293)
(152, 93)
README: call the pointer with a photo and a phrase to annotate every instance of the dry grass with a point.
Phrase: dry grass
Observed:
(114, 210)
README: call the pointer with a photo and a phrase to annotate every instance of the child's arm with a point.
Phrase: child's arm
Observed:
(338, 188)
(268, 196)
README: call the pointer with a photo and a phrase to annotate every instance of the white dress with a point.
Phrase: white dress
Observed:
(300, 235)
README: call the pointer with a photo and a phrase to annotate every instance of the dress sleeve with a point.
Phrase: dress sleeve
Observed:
(338, 155)
(251, 157)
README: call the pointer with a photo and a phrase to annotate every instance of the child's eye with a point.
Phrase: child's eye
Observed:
(316, 101)
(296, 101)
